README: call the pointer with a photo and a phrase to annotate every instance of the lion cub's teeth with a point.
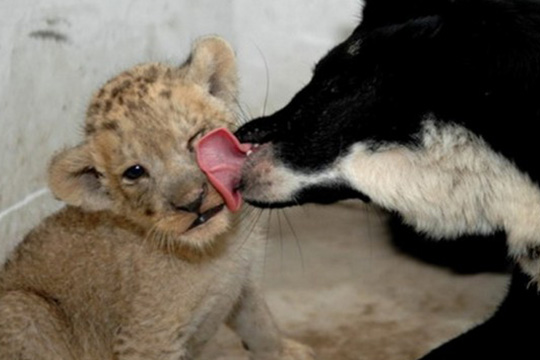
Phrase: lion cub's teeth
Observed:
(249, 152)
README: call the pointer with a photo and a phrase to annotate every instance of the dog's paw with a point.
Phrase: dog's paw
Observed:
(290, 350)
(293, 350)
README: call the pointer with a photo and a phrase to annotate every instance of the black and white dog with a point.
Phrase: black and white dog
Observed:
(429, 110)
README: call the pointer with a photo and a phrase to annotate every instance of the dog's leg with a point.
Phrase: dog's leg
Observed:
(509, 334)
(32, 328)
(252, 321)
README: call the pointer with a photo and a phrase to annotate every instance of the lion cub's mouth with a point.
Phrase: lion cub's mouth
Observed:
(206, 216)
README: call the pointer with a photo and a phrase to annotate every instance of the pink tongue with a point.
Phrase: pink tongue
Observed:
(221, 156)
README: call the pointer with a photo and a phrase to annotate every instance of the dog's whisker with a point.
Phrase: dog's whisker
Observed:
(244, 215)
(249, 220)
(280, 239)
(251, 228)
(297, 240)
(244, 212)
(267, 89)
(242, 115)
(267, 75)
(267, 240)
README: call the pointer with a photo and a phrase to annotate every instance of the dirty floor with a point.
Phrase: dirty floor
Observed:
(336, 283)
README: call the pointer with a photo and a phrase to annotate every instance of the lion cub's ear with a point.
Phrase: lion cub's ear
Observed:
(73, 179)
(212, 64)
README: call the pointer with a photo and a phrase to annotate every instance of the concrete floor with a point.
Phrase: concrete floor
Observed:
(337, 284)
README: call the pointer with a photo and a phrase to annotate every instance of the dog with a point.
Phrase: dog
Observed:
(428, 110)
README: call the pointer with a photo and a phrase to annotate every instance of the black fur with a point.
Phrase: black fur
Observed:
(471, 62)
(469, 254)
(475, 62)
(509, 334)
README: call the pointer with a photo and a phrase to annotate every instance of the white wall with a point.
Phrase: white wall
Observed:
(55, 53)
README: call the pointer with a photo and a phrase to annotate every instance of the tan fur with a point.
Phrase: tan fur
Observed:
(118, 273)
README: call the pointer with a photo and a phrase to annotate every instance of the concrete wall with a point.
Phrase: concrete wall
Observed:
(55, 53)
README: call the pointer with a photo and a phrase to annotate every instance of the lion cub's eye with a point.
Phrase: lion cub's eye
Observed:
(134, 172)
(194, 138)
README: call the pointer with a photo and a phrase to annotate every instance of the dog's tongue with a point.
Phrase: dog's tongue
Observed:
(221, 156)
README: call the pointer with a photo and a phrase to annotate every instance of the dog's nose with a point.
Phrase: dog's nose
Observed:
(195, 205)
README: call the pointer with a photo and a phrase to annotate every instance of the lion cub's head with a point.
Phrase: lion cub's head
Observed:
(137, 158)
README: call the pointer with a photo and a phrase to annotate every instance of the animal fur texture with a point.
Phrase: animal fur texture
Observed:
(144, 262)
(428, 110)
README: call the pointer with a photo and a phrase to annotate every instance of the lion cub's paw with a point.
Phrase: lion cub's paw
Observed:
(291, 350)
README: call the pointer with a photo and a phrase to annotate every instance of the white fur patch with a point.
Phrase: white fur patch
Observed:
(452, 184)
(292, 182)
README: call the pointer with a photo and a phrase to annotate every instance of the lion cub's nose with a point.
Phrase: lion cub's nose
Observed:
(190, 205)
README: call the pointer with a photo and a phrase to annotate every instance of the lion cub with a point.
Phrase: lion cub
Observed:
(143, 262)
